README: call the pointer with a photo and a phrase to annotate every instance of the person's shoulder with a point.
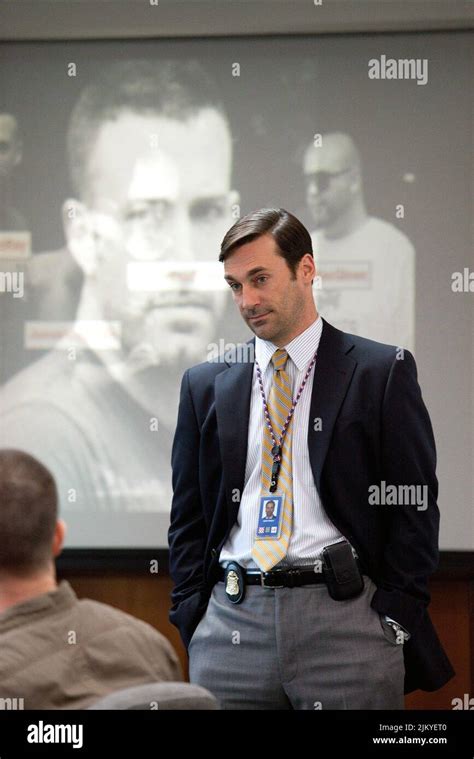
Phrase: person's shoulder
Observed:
(47, 266)
(220, 360)
(45, 396)
(377, 354)
(386, 231)
(99, 619)
(363, 349)
(109, 633)
(38, 382)
(371, 347)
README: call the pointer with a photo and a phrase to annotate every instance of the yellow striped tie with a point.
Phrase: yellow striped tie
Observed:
(267, 553)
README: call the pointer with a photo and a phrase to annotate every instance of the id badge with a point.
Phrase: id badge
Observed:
(270, 514)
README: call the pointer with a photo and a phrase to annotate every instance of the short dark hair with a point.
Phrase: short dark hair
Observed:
(292, 238)
(174, 89)
(28, 513)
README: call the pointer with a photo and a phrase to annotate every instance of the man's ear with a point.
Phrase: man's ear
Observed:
(58, 538)
(79, 235)
(308, 265)
(19, 153)
(356, 180)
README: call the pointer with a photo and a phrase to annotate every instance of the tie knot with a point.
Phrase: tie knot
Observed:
(279, 359)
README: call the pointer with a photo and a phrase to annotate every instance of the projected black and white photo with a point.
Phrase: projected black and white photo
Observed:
(11, 218)
(366, 265)
(122, 166)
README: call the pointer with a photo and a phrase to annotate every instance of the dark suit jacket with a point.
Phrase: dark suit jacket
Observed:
(375, 427)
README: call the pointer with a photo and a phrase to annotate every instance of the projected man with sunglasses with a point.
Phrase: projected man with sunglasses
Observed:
(367, 266)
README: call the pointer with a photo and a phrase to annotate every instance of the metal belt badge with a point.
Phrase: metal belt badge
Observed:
(234, 582)
(270, 512)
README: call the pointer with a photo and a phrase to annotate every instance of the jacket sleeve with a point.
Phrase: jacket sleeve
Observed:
(408, 459)
(187, 533)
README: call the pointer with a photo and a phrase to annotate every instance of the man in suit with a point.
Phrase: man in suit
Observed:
(263, 624)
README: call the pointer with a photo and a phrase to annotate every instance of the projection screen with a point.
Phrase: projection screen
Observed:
(123, 164)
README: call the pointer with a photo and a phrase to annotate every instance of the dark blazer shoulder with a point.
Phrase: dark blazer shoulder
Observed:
(207, 371)
(333, 341)
(361, 349)
(364, 346)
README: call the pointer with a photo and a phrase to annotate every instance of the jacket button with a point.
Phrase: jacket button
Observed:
(213, 553)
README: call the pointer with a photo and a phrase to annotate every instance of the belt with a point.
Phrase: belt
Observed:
(281, 578)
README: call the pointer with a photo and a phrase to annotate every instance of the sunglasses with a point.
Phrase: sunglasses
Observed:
(323, 178)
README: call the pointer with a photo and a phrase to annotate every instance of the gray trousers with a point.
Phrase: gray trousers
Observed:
(297, 648)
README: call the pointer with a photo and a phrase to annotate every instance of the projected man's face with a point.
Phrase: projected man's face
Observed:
(329, 178)
(160, 192)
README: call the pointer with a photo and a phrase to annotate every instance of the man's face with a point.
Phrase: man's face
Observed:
(269, 507)
(328, 178)
(270, 300)
(160, 192)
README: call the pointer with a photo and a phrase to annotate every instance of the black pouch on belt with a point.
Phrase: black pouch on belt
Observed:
(234, 579)
(341, 571)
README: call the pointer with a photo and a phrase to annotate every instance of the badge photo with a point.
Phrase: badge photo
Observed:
(270, 514)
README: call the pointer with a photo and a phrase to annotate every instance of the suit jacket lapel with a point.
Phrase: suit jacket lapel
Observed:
(233, 389)
(333, 373)
(332, 376)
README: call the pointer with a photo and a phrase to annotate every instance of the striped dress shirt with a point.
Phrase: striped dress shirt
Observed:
(312, 528)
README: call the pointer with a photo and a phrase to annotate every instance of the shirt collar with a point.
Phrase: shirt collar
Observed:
(301, 349)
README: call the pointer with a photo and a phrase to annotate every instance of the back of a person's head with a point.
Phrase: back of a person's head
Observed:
(28, 514)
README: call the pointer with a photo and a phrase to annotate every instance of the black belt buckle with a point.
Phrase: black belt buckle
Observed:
(271, 575)
(234, 582)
